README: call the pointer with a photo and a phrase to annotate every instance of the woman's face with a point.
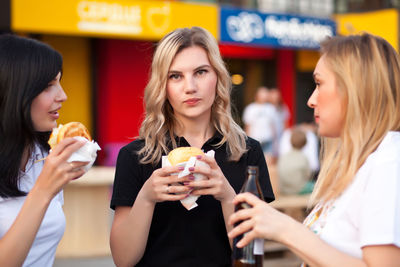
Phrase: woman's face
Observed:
(44, 109)
(326, 102)
(191, 84)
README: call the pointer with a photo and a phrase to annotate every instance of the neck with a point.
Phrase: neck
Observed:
(195, 132)
(24, 159)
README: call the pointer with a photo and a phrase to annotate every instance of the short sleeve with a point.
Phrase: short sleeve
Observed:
(128, 178)
(256, 158)
(380, 214)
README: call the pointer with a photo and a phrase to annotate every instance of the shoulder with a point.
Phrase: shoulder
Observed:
(254, 150)
(130, 151)
(252, 144)
(134, 145)
(387, 153)
(382, 167)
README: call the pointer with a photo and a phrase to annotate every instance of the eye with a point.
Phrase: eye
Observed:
(174, 76)
(49, 85)
(201, 72)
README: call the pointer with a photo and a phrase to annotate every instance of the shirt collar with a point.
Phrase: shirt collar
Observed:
(214, 140)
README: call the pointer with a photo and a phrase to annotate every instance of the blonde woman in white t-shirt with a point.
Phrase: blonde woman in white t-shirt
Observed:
(31, 218)
(356, 220)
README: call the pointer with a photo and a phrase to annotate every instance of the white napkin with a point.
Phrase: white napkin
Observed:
(190, 201)
(88, 152)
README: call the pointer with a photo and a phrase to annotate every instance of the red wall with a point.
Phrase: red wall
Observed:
(286, 72)
(122, 73)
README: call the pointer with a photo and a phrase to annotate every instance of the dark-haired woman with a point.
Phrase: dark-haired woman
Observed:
(31, 217)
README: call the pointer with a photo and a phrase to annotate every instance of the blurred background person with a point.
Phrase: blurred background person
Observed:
(259, 121)
(293, 167)
(310, 149)
(281, 118)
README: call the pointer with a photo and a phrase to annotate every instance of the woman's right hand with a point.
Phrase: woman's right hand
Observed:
(259, 221)
(57, 172)
(164, 185)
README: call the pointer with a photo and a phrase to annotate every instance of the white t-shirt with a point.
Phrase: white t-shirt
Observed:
(368, 211)
(261, 121)
(51, 230)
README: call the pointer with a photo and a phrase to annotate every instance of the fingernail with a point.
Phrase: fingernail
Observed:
(186, 183)
(181, 168)
(191, 177)
(198, 156)
(191, 169)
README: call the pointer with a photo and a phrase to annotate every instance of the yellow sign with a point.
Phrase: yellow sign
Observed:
(383, 23)
(117, 18)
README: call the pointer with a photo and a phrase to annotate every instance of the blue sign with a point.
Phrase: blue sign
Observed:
(276, 30)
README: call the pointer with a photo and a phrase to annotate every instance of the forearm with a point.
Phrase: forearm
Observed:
(313, 250)
(130, 233)
(228, 208)
(16, 243)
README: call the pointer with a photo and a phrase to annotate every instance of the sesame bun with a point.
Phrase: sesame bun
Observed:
(183, 154)
(70, 129)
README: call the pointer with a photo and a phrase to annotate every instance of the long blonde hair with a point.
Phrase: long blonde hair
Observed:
(157, 128)
(367, 73)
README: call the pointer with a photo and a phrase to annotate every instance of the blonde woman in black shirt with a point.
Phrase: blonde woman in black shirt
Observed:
(187, 104)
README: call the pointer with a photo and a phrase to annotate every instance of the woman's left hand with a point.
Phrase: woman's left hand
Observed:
(215, 183)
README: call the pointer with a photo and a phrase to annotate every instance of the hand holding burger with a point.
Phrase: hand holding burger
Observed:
(186, 156)
(86, 153)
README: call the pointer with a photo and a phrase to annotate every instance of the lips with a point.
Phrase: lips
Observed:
(316, 118)
(192, 101)
(54, 113)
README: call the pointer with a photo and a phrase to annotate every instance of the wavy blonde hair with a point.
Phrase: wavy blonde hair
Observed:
(367, 73)
(157, 128)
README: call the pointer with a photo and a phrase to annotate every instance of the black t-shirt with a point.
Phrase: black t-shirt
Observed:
(179, 237)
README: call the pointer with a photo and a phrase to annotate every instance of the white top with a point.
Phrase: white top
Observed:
(261, 121)
(51, 230)
(368, 211)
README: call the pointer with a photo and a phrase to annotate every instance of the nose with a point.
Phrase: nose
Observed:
(312, 101)
(61, 96)
(190, 85)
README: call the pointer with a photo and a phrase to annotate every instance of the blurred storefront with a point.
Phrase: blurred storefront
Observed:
(267, 48)
(108, 45)
(107, 48)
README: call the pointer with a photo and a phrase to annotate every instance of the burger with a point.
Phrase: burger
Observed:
(183, 154)
(70, 129)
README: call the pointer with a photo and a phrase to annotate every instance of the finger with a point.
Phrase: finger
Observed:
(240, 229)
(247, 197)
(77, 173)
(178, 189)
(209, 160)
(175, 179)
(168, 170)
(240, 215)
(78, 164)
(247, 238)
(172, 197)
(68, 150)
(62, 145)
(204, 191)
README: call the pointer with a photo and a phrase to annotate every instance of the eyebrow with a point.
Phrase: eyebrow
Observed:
(196, 69)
